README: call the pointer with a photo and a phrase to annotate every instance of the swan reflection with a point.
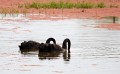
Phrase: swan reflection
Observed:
(54, 55)
(47, 55)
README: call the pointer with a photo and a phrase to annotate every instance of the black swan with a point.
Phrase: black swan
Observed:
(48, 47)
(28, 46)
(47, 50)
(50, 51)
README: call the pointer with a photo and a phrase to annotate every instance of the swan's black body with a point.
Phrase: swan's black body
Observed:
(27, 46)
(48, 47)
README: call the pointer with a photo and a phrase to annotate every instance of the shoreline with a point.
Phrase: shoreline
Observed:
(96, 13)
(56, 14)
(11, 7)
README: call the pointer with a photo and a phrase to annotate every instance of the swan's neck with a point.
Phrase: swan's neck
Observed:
(65, 43)
(51, 39)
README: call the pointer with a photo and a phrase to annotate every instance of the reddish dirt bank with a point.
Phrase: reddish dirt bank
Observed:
(75, 13)
(64, 13)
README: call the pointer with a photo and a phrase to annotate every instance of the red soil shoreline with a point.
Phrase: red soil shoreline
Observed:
(74, 13)
(65, 13)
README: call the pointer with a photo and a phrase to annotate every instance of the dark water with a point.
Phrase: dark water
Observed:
(93, 50)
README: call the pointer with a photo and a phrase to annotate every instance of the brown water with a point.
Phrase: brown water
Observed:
(93, 50)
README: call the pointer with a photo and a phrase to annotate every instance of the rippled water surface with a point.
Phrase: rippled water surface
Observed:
(93, 51)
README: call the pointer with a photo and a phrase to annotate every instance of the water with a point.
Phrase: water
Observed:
(93, 50)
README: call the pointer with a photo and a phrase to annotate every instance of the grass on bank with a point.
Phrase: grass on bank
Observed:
(53, 5)
(12, 11)
(61, 4)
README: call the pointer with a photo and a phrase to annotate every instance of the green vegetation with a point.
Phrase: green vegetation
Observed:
(84, 5)
(23, 8)
(61, 4)
(100, 5)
